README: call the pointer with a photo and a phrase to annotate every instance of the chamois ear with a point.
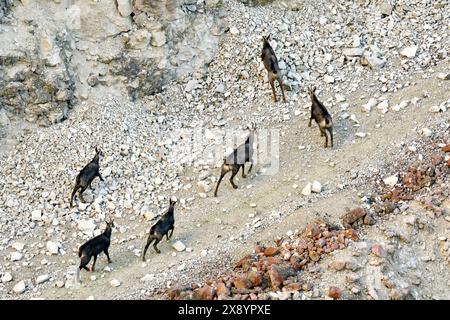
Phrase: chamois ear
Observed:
(110, 222)
(311, 89)
(268, 37)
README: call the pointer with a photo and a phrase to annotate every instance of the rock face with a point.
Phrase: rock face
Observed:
(47, 66)
(4, 7)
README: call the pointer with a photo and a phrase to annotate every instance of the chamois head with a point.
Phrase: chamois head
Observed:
(172, 201)
(266, 39)
(110, 224)
(98, 151)
(311, 91)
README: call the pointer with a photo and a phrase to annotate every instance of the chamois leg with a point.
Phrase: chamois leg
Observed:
(167, 234)
(73, 194)
(83, 265)
(326, 138)
(107, 255)
(309, 124)
(81, 193)
(222, 174)
(251, 167)
(330, 130)
(273, 90)
(282, 89)
(234, 172)
(149, 241)
(243, 171)
(157, 240)
(93, 265)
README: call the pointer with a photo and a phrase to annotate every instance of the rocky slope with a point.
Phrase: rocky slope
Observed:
(380, 68)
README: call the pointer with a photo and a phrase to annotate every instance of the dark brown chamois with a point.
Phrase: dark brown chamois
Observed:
(94, 247)
(321, 115)
(161, 228)
(86, 175)
(237, 160)
(271, 64)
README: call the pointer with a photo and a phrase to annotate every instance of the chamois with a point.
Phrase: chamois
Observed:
(86, 175)
(237, 159)
(161, 228)
(94, 247)
(322, 117)
(271, 64)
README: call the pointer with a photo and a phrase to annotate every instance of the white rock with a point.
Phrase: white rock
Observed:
(181, 267)
(7, 277)
(339, 97)
(158, 38)
(306, 191)
(83, 206)
(106, 172)
(179, 246)
(43, 278)
(374, 61)
(86, 226)
(147, 213)
(282, 65)
(114, 283)
(426, 132)
(396, 107)
(204, 253)
(19, 287)
(234, 30)
(158, 181)
(383, 105)
(18, 246)
(4, 120)
(323, 20)
(53, 247)
(316, 187)
(444, 76)
(391, 180)
(353, 52)
(328, 79)
(191, 85)
(36, 215)
(386, 7)
(124, 7)
(147, 277)
(204, 186)
(253, 205)
(411, 220)
(16, 256)
(434, 109)
(111, 206)
(360, 134)
(409, 52)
